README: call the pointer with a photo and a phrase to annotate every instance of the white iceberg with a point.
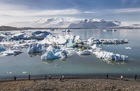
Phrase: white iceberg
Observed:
(84, 52)
(104, 55)
(34, 48)
(11, 52)
(2, 48)
(18, 36)
(50, 55)
(92, 41)
(50, 39)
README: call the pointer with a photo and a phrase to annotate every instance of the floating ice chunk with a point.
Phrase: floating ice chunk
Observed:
(24, 72)
(106, 41)
(104, 55)
(39, 35)
(62, 54)
(34, 48)
(128, 48)
(94, 46)
(54, 39)
(11, 52)
(9, 72)
(2, 48)
(54, 54)
(90, 41)
(49, 55)
(70, 51)
(84, 52)
(18, 36)
(2, 36)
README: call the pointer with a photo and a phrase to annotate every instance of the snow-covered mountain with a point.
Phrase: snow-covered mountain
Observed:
(72, 23)
(46, 23)
(92, 23)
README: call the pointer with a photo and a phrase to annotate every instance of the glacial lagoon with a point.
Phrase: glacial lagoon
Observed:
(24, 64)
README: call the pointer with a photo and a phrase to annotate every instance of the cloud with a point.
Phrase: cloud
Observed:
(19, 13)
(89, 12)
(57, 12)
(16, 10)
(126, 10)
(114, 11)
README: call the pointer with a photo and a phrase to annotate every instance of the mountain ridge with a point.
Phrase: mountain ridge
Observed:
(73, 23)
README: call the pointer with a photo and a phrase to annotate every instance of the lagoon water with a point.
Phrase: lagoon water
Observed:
(25, 64)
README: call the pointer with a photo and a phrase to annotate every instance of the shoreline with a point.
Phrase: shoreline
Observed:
(97, 84)
(54, 76)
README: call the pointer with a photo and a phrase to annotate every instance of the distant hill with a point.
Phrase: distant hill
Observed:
(3, 28)
(7, 28)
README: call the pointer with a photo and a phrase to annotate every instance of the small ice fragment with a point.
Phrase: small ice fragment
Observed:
(9, 72)
(128, 48)
(24, 72)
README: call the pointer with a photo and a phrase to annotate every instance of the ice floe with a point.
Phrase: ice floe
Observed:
(92, 41)
(110, 56)
(57, 46)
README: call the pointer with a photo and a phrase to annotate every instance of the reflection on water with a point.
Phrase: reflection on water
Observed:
(35, 54)
(48, 61)
(113, 62)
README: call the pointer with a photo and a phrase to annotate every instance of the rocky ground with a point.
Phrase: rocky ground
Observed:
(71, 85)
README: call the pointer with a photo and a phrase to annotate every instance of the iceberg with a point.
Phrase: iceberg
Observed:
(62, 54)
(50, 39)
(107, 56)
(54, 52)
(70, 51)
(34, 48)
(2, 48)
(84, 52)
(18, 36)
(50, 55)
(92, 41)
(40, 35)
(2, 36)
(11, 52)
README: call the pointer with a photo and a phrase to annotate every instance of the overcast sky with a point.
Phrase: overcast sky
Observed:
(31, 10)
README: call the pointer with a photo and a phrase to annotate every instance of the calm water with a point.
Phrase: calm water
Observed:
(25, 64)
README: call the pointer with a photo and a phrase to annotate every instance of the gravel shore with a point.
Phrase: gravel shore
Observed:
(71, 85)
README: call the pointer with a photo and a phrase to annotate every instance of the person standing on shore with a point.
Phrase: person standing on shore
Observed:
(45, 77)
(62, 77)
(29, 77)
(49, 77)
(15, 78)
(121, 77)
(107, 75)
(135, 77)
